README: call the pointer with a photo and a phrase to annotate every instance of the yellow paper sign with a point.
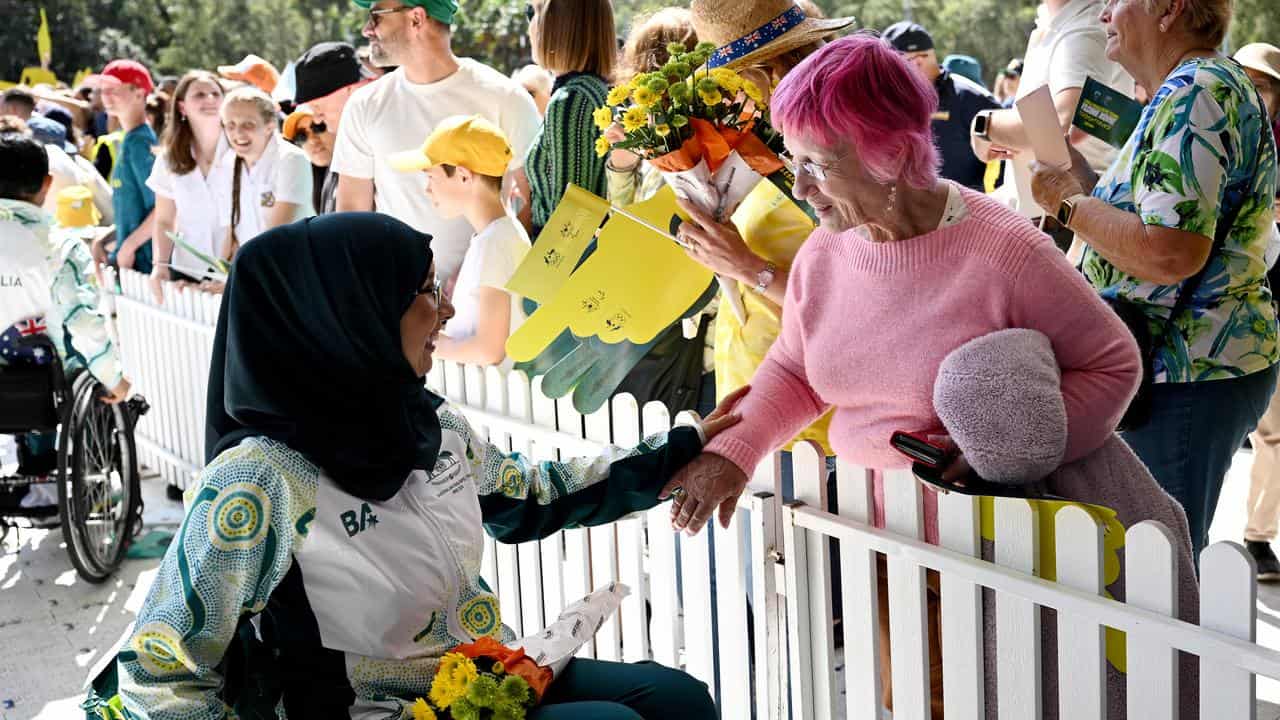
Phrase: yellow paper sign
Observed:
(558, 247)
(632, 287)
(1112, 540)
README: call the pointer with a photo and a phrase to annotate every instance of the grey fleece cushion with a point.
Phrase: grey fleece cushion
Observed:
(1000, 398)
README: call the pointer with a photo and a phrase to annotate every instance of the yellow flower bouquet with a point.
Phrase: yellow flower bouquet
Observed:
(706, 131)
(483, 680)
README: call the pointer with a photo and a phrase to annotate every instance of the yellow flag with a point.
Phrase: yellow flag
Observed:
(561, 243)
(44, 43)
(636, 284)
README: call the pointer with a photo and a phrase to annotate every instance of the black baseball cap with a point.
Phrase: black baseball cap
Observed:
(326, 67)
(907, 37)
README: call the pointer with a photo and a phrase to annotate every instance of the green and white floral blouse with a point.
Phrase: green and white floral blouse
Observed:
(1201, 149)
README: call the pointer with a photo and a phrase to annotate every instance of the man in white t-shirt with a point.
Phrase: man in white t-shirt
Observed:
(429, 85)
(1067, 47)
(464, 159)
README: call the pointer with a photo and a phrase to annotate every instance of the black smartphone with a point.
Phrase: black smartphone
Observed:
(920, 449)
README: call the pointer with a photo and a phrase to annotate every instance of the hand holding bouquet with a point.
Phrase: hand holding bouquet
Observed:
(701, 128)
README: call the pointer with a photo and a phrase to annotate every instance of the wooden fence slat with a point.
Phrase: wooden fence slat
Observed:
(860, 595)
(552, 548)
(1229, 606)
(604, 542)
(908, 628)
(769, 613)
(516, 388)
(633, 617)
(799, 646)
(1151, 583)
(665, 630)
(731, 616)
(1017, 620)
(809, 469)
(963, 685)
(1082, 672)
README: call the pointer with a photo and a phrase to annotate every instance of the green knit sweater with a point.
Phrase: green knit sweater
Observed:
(564, 151)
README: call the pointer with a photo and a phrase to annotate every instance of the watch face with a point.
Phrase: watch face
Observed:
(980, 125)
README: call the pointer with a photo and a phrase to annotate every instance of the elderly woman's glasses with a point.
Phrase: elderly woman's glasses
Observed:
(301, 134)
(814, 170)
(375, 16)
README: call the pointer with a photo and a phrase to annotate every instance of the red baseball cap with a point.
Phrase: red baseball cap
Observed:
(129, 72)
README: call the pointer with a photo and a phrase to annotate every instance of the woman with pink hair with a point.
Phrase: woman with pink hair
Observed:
(903, 269)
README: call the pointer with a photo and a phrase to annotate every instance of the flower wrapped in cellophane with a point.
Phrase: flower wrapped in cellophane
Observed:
(706, 130)
(486, 680)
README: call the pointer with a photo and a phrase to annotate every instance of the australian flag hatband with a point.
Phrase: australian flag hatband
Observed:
(757, 38)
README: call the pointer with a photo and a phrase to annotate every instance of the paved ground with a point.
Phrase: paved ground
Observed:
(54, 626)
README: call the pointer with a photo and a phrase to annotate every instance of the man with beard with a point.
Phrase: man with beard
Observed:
(392, 115)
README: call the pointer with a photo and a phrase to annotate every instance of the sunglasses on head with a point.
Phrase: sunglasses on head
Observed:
(300, 135)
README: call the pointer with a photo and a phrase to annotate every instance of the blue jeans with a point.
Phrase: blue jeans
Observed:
(1195, 430)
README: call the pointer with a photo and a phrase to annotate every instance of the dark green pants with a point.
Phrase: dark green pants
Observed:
(602, 690)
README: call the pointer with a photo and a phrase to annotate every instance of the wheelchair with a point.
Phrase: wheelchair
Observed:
(98, 489)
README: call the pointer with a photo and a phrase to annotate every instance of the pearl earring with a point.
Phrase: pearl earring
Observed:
(893, 199)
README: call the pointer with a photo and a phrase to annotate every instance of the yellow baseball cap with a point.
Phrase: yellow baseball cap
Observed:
(76, 208)
(467, 141)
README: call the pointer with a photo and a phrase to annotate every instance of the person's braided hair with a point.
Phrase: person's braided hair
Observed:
(267, 108)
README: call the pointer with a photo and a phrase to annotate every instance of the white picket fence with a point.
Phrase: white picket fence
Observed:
(787, 666)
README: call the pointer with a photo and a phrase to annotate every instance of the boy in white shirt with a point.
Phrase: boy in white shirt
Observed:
(464, 159)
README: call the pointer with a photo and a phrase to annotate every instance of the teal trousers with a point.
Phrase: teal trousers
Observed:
(602, 690)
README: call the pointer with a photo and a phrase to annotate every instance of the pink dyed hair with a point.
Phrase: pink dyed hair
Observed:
(860, 88)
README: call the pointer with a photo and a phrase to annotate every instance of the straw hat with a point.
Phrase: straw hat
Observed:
(1261, 57)
(747, 32)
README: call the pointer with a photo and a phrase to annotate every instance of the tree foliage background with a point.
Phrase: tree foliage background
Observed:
(174, 35)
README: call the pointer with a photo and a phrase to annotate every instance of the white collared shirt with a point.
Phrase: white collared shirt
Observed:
(282, 174)
(197, 217)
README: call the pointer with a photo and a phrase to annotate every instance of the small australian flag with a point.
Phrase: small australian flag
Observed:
(15, 349)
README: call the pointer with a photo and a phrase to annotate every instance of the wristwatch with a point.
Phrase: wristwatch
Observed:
(1067, 209)
(764, 278)
(981, 126)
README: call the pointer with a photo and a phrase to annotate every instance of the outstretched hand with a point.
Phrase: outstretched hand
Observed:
(707, 483)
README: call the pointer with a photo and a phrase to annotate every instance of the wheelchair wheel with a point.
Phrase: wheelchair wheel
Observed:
(99, 492)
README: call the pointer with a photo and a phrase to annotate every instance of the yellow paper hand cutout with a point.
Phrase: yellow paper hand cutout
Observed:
(633, 286)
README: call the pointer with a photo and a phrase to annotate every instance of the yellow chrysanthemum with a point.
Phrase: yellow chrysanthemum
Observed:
(444, 691)
(711, 98)
(422, 711)
(634, 118)
(752, 91)
(663, 130)
(727, 79)
(603, 117)
(618, 94)
(456, 673)
(602, 146)
(643, 95)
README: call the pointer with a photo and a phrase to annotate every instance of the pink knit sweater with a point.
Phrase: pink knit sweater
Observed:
(866, 325)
